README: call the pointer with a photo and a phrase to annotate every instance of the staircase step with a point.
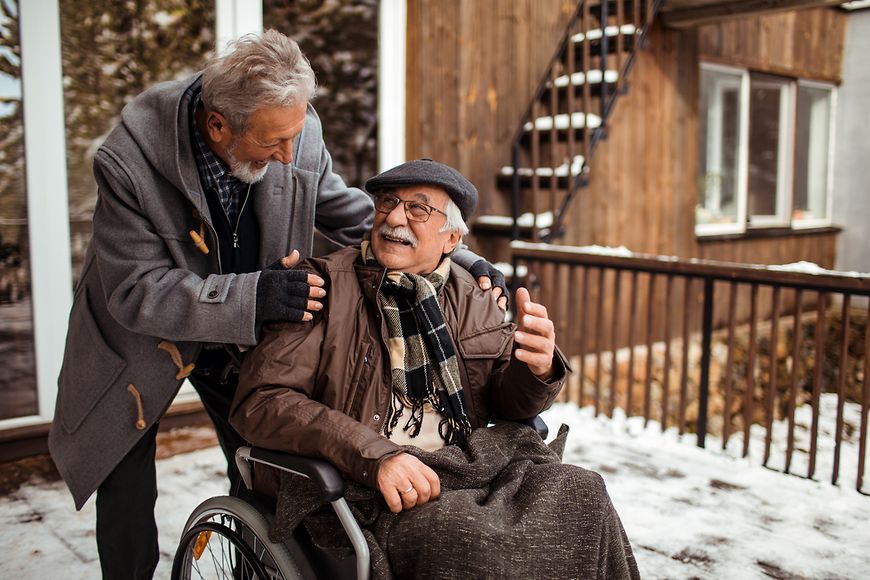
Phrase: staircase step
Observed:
(578, 79)
(564, 170)
(563, 122)
(610, 31)
(526, 220)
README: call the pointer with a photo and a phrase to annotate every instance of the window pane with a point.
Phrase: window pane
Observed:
(812, 140)
(340, 38)
(720, 141)
(111, 52)
(18, 396)
(767, 140)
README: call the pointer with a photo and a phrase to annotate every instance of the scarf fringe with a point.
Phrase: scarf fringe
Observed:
(410, 304)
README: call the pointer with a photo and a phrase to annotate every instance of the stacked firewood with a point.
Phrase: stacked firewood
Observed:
(802, 382)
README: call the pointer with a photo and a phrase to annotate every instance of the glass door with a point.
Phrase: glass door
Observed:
(18, 391)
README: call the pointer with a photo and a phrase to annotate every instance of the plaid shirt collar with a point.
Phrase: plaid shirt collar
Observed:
(213, 175)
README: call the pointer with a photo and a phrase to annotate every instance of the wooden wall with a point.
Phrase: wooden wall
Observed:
(472, 67)
(642, 190)
(807, 43)
(820, 248)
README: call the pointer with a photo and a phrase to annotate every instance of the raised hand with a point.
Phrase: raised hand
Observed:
(535, 335)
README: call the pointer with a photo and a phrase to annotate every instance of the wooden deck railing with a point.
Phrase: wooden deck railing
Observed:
(614, 313)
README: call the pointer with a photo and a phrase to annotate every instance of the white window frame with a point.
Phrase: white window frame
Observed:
(805, 223)
(784, 154)
(392, 43)
(739, 225)
(235, 18)
(47, 199)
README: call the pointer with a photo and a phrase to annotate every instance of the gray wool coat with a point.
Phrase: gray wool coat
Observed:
(144, 281)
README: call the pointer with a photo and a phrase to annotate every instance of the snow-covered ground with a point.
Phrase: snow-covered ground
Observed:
(689, 512)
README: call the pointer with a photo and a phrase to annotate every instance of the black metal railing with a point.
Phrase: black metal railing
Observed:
(761, 343)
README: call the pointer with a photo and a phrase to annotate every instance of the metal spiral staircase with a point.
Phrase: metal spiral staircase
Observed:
(568, 116)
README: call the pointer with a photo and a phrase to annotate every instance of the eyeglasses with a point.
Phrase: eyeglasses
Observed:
(415, 211)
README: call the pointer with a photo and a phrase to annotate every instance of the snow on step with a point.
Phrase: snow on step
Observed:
(563, 170)
(611, 31)
(593, 76)
(526, 220)
(508, 269)
(563, 121)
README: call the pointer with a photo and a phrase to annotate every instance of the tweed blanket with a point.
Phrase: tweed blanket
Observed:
(508, 509)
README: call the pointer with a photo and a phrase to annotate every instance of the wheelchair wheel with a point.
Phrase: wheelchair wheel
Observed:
(228, 538)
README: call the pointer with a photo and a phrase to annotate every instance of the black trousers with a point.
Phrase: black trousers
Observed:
(126, 529)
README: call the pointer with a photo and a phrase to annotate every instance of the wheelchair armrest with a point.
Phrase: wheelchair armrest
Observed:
(321, 472)
(535, 423)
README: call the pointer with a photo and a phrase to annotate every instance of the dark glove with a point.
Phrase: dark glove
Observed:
(484, 268)
(277, 265)
(282, 294)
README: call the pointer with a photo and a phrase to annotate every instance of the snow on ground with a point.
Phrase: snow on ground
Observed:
(42, 536)
(692, 512)
(689, 512)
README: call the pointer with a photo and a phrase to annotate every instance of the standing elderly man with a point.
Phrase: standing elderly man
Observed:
(409, 357)
(203, 184)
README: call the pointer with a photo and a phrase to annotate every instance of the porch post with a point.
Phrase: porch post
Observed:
(706, 336)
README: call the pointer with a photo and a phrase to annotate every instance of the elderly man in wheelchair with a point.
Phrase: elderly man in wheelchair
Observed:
(378, 405)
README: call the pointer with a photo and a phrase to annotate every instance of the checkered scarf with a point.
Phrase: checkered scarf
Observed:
(422, 360)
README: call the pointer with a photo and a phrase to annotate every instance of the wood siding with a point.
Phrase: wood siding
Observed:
(642, 190)
(807, 44)
(472, 68)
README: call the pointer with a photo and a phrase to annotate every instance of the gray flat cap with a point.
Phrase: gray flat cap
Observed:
(427, 172)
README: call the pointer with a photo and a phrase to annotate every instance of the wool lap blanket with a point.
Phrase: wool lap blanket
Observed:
(508, 509)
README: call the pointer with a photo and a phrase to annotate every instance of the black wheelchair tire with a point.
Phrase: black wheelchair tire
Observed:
(183, 555)
(254, 530)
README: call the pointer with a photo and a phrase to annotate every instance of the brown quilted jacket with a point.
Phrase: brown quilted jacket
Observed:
(322, 388)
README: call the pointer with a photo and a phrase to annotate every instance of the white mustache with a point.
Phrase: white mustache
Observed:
(399, 233)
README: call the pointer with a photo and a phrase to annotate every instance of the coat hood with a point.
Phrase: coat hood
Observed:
(164, 144)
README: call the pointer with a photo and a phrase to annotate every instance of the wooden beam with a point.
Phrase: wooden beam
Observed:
(685, 17)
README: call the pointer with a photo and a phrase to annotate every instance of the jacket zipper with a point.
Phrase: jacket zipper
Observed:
(239, 218)
(356, 381)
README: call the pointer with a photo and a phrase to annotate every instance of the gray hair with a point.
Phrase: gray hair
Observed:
(454, 220)
(257, 72)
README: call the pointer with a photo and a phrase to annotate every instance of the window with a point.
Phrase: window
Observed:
(813, 147)
(721, 208)
(18, 392)
(765, 158)
(346, 68)
(112, 51)
(769, 136)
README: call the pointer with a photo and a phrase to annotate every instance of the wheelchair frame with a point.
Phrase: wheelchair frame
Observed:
(328, 481)
(330, 484)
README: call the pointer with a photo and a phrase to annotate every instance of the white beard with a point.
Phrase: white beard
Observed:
(244, 172)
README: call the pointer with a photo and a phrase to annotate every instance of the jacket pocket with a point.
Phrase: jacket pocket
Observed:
(486, 343)
(90, 366)
(479, 352)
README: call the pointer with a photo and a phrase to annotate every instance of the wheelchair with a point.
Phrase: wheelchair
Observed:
(228, 536)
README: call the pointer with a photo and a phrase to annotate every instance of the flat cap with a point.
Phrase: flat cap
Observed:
(427, 172)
